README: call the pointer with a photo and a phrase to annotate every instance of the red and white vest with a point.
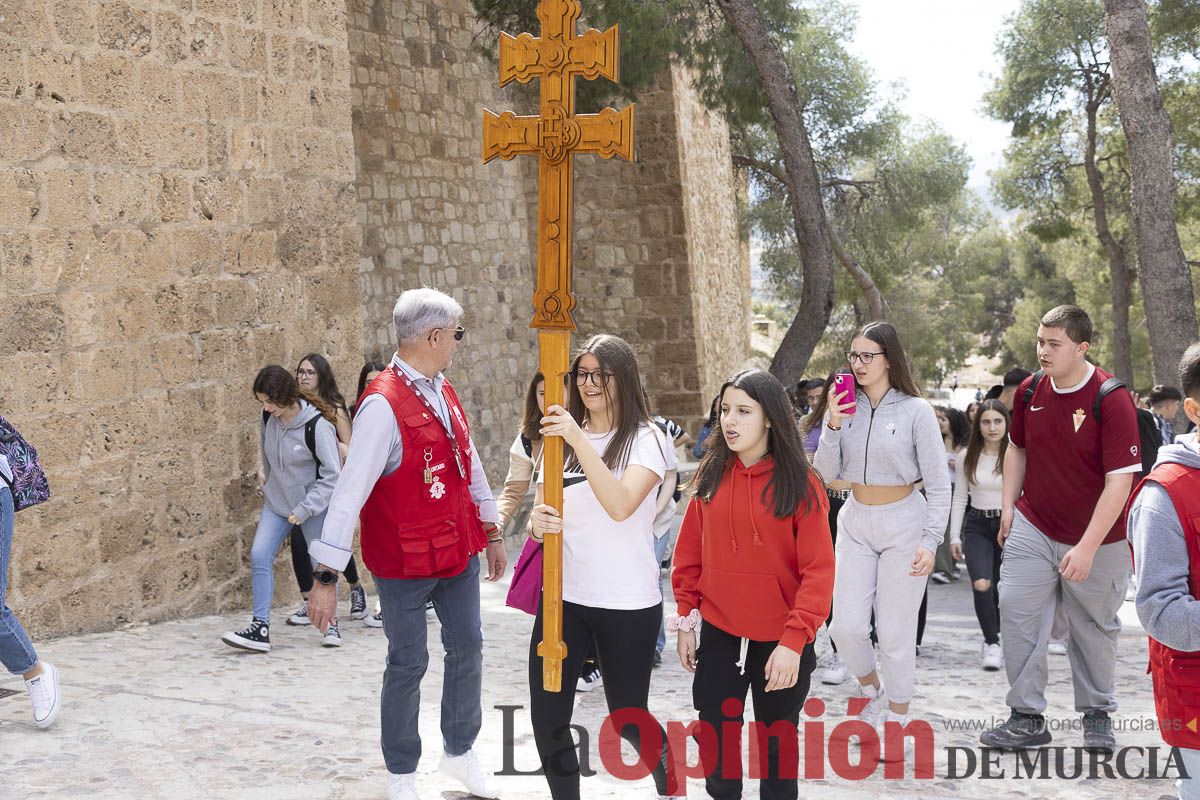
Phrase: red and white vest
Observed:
(1176, 673)
(412, 528)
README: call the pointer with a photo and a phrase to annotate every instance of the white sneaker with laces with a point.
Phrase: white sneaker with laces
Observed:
(44, 694)
(402, 787)
(992, 657)
(332, 636)
(300, 616)
(589, 681)
(836, 673)
(875, 704)
(467, 770)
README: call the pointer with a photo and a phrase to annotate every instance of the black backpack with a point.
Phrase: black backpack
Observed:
(1147, 430)
(310, 437)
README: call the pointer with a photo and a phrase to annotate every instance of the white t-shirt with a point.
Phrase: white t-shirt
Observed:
(610, 564)
(662, 522)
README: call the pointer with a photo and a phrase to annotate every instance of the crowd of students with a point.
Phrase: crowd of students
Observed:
(843, 496)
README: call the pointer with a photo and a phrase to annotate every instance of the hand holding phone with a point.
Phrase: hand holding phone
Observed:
(842, 401)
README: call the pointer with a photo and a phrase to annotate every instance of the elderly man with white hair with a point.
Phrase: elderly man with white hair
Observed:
(415, 479)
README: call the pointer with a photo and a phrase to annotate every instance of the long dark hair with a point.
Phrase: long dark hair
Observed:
(975, 444)
(623, 393)
(280, 387)
(327, 386)
(789, 485)
(531, 423)
(960, 426)
(899, 375)
(817, 415)
(367, 369)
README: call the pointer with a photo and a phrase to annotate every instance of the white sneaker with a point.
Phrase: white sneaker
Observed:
(402, 787)
(467, 770)
(871, 711)
(886, 755)
(332, 637)
(44, 694)
(300, 616)
(589, 681)
(1057, 648)
(376, 619)
(992, 657)
(836, 673)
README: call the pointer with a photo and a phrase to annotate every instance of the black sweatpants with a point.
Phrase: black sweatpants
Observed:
(718, 678)
(983, 555)
(625, 643)
(303, 567)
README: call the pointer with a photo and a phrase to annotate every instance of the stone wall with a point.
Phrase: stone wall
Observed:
(176, 209)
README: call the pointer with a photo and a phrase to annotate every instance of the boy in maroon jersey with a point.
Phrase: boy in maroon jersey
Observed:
(1067, 477)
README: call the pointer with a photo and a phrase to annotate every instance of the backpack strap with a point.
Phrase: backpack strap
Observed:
(310, 439)
(1032, 387)
(1108, 387)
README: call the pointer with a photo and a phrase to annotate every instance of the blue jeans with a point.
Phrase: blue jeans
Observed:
(272, 530)
(660, 550)
(456, 602)
(16, 651)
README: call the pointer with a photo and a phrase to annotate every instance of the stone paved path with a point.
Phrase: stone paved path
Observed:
(168, 711)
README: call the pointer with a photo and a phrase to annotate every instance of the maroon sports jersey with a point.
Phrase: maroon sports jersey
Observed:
(1067, 455)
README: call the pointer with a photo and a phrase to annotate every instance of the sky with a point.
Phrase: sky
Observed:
(942, 54)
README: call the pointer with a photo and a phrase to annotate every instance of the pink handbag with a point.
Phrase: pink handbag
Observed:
(525, 590)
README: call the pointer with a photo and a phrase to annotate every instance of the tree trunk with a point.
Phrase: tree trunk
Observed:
(804, 188)
(860, 275)
(1118, 264)
(1166, 284)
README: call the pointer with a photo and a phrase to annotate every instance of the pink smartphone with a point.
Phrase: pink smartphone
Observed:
(844, 382)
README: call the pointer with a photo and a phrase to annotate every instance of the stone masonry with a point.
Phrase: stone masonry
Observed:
(191, 189)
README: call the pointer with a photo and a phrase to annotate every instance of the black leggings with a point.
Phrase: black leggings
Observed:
(983, 553)
(303, 566)
(718, 678)
(625, 642)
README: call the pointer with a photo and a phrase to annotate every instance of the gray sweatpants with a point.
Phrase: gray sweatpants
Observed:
(1029, 584)
(874, 553)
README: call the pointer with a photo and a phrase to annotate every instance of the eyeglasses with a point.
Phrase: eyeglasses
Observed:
(459, 333)
(306, 373)
(599, 378)
(865, 358)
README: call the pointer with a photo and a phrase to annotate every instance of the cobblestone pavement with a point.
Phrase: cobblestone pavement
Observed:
(168, 711)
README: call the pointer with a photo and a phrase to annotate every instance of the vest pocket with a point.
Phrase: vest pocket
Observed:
(431, 549)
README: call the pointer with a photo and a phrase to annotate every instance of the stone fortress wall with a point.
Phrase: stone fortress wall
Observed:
(190, 189)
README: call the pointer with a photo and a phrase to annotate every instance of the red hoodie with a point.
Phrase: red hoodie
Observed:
(750, 573)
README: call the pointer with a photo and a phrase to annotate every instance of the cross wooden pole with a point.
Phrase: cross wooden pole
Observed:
(556, 135)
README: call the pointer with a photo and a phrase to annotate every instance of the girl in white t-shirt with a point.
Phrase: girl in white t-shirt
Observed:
(614, 461)
(975, 520)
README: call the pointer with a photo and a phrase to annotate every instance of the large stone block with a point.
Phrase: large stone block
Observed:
(122, 27)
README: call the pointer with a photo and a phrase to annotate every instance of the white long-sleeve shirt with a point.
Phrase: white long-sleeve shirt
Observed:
(985, 492)
(376, 450)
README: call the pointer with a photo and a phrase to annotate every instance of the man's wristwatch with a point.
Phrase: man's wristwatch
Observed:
(325, 577)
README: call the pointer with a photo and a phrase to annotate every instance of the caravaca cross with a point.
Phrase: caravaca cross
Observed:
(556, 135)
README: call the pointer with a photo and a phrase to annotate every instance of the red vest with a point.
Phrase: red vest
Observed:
(1176, 673)
(412, 528)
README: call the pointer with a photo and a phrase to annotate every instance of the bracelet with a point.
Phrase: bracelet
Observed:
(689, 623)
(830, 426)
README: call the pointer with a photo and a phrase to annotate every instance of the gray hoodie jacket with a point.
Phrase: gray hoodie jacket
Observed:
(292, 485)
(1164, 601)
(897, 443)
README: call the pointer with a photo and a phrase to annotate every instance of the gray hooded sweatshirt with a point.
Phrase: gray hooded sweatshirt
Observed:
(292, 485)
(1164, 601)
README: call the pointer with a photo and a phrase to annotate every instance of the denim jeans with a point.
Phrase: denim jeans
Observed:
(456, 602)
(16, 651)
(272, 530)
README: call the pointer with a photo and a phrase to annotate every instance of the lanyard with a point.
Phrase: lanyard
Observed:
(448, 425)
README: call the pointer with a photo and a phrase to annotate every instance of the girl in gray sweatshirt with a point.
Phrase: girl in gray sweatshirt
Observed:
(300, 466)
(888, 531)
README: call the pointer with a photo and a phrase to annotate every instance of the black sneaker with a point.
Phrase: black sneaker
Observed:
(658, 658)
(358, 602)
(1021, 731)
(1097, 733)
(256, 636)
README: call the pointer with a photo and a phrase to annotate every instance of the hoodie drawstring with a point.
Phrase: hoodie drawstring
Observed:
(758, 542)
(743, 651)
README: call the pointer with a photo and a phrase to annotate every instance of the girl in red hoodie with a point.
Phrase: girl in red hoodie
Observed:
(754, 561)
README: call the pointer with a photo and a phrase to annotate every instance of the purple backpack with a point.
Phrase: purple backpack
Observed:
(29, 485)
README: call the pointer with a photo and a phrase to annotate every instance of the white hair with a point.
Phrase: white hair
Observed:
(419, 311)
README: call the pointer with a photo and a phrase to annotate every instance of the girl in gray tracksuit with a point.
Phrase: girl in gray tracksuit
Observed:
(885, 547)
(300, 466)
